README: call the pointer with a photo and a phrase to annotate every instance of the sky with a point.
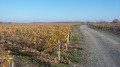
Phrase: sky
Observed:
(58, 10)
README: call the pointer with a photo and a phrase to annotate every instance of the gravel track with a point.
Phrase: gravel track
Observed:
(103, 50)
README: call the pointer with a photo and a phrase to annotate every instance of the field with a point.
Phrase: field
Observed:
(37, 42)
(59, 45)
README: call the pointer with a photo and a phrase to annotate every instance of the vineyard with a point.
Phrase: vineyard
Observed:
(112, 27)
(39, 40)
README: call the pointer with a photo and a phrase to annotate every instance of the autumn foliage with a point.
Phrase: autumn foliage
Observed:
(112, 27)
(41, 39)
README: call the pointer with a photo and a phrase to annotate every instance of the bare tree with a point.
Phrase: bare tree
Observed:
(116, 21)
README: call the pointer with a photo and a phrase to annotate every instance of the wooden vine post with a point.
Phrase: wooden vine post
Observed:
(68, 38)
(12, 64)
(58, 50)
(67, 43)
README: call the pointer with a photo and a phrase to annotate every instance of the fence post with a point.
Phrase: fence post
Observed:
(58, 50)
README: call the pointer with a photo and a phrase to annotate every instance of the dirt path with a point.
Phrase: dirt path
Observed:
(103, 50)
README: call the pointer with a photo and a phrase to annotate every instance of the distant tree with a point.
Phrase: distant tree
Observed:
(88, 22)
(9, 22)
(116, 21)
(1, 22)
